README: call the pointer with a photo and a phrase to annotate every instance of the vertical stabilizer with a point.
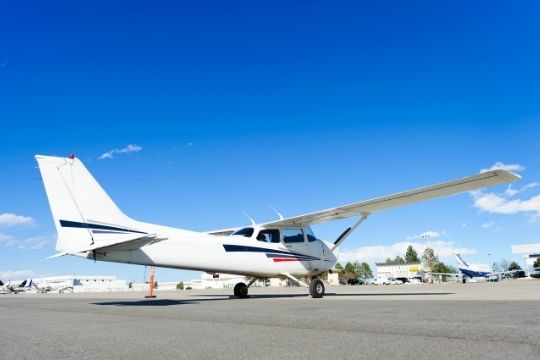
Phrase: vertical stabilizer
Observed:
(83, 212)
(461, 262)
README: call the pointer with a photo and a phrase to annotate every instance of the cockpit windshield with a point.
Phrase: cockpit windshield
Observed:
(247, 232)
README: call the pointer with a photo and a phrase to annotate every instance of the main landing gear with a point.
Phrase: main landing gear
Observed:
(241, 289)
(316, 286)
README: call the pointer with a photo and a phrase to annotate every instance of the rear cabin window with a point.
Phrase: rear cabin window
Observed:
(269, 235)
(293, 236)
(247, 232)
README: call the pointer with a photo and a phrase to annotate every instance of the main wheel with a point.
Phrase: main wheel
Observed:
(316, 288)
(241, 290)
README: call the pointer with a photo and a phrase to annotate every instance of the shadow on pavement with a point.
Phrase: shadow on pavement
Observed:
(210, 297)
(164, 302)
(391, 294)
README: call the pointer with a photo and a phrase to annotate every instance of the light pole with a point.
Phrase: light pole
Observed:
(429, 262)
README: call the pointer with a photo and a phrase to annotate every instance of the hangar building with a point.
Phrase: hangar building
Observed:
(78, 283)
(399, 271)
(530, 253)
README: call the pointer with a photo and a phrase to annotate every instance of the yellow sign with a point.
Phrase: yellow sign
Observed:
(414, 268)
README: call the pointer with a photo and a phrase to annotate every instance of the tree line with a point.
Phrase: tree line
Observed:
(355, 270)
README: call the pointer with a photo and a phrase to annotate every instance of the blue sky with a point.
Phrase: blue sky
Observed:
(304, 106)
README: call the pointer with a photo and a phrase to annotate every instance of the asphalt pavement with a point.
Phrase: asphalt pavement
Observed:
(448, 321)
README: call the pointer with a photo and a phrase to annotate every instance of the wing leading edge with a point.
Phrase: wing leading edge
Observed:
(485, 179)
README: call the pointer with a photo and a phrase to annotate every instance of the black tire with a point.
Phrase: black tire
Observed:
(316, 288)
(241, 290)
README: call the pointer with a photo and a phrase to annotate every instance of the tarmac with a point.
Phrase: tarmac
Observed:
(446, 321)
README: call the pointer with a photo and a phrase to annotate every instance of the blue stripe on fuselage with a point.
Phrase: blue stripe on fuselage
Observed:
(242, 248)
(76, 224)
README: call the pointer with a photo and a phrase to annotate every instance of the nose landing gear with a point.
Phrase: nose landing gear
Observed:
(316, 288)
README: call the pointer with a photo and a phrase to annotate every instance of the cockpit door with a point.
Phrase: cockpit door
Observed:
(297, 260)
(315, 249)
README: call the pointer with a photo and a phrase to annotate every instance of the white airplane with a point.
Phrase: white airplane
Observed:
(478, 270)
(18, 286)
(90, 225)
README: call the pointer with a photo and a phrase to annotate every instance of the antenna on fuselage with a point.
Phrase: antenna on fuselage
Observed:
(277, 212)
(253, 223)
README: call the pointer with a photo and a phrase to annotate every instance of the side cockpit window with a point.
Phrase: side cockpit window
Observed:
(247, 232)
(269, 235)
(310, 235)
(293, 236)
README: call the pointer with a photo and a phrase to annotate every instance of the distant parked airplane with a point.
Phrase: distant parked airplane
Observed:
(479, 270)
(16, 287)
(90, 225)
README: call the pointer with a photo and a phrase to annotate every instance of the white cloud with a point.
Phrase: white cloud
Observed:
(11, 220)
(505, 203)
(15, 274)
(500, 165)
(34, 242)
(443, 249)
(529, 186)
(509, 192)
(31, 243)
(497, 204)
(489, 225)
(129, 149)
(426, 235)
(5, 239)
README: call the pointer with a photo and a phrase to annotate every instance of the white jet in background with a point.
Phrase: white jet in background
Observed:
(17, 286)
(90, 225)
(479, 271)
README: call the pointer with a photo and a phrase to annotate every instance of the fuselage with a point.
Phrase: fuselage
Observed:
(255, 251)
(473, 273)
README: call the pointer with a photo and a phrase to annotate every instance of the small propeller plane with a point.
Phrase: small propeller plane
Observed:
(90, 225)
(471, 271)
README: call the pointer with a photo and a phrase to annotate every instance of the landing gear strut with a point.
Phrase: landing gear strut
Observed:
(316, 288)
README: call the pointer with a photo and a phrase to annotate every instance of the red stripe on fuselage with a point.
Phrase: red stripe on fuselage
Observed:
(285, 259)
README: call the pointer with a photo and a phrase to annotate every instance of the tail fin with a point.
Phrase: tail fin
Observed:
(460, 261)
(82, 210)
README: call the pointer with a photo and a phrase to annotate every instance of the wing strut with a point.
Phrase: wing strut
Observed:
(349, 231)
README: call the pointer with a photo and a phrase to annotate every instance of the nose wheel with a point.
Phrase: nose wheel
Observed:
(316, 288)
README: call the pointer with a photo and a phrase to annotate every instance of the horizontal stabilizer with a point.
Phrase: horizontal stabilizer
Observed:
(117, 244)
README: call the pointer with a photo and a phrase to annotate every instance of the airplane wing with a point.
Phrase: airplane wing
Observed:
(223, 232)
(470, 183)
(503, 272)
(448, 274)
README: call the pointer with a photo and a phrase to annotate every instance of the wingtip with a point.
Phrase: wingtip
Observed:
(56, 255)
(507, 175)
